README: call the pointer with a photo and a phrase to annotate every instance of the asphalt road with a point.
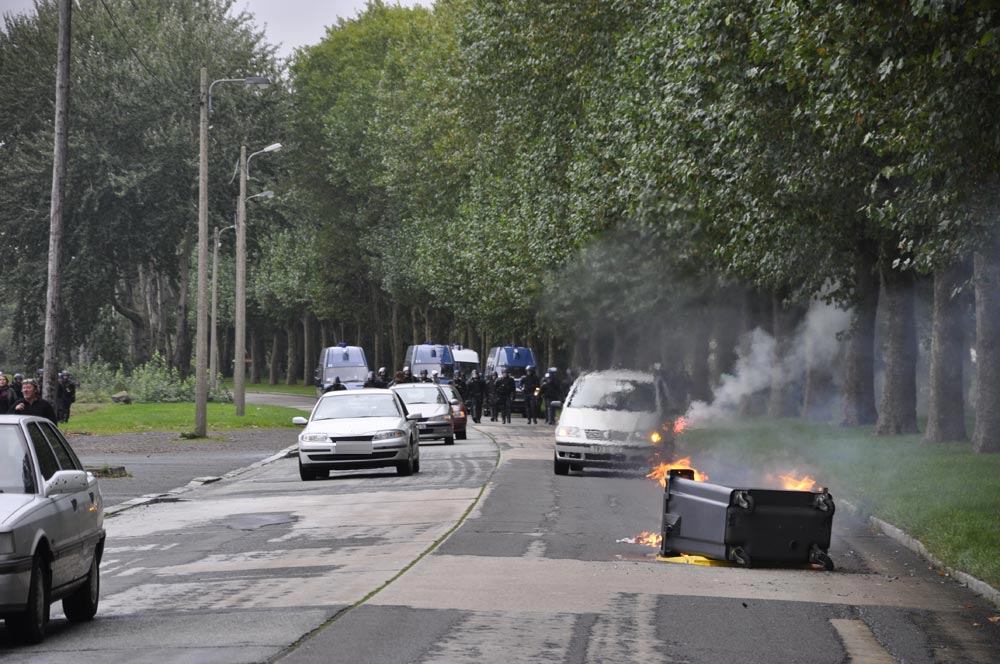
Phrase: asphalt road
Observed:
(366, 567)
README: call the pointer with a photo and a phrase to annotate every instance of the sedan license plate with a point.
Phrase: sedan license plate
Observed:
(353, 447)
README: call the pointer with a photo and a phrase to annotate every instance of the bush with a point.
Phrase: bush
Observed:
(153, 382)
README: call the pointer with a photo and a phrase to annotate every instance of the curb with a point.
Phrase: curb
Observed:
(905, 540)
(898, 535)
(172, 494)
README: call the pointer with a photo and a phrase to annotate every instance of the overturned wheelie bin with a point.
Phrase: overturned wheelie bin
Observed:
(746, 526)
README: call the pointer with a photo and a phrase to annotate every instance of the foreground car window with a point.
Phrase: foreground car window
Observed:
(16, 475)
(46, 459)
(414, 395)
(360, 405)
(629, 395)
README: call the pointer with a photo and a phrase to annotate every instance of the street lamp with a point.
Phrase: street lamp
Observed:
(213, 362)
(239, 367)
(201, 338)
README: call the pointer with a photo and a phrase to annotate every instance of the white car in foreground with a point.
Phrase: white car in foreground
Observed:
(51, 528)
(611, 419)
(354, 429)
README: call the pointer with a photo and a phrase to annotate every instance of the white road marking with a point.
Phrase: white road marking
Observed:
(861, 645)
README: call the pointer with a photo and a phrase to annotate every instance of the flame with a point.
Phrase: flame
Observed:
(661, 471)
(646, 538)
(655, 438)
(792, 483)
(680, 424)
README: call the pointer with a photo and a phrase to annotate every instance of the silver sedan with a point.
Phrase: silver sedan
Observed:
(353, 429)
(51, 528)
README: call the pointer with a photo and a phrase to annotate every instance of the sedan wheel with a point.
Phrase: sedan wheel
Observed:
(406, 468)
(308, 474)
(29, 627)
(81, 606)
(560, 467)
(449, 440)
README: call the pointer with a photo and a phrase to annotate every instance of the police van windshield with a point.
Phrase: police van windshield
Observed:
(345, 357)
(346, 374)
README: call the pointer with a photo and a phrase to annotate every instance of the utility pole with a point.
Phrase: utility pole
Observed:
(58, 198)
(201, 338)
(213, 344)
(239, 366)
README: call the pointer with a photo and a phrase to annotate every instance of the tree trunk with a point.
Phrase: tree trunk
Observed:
(701, 389)
(308, 352)
(756, 314)
(726, 333)
(945, 399)
(397, 339)
(898, 408)
(182, 336)
(786, 379)
(256, 355)
(53, 303)
(986, 277)
(272, 375)
(819, 392)
(292, 359)
(859, 359)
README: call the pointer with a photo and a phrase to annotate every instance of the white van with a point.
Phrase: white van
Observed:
(612, 419)
(341, 361)
(466, 360)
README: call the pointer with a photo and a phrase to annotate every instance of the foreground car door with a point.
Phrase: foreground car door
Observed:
(89, 510)
(60, 518)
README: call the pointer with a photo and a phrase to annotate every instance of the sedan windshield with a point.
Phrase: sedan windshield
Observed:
(356, 405)
(16, 475)
(608, 394)
(414, 395)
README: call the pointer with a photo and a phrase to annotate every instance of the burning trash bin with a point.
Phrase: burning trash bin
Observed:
(745, 526)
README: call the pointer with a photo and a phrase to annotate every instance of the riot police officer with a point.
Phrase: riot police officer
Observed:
(504, 389)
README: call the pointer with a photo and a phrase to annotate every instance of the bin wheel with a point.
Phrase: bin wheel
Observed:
(820, 557)
(741, 557)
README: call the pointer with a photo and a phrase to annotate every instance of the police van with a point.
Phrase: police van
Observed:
(516, 360)
(431, 357)
(348, 363)
(466, 360)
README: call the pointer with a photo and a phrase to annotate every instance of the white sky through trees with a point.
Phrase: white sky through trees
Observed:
(288, 24)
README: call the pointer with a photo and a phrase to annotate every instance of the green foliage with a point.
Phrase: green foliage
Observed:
(153, 382)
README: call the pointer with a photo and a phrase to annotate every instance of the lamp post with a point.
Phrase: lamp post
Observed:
(239, 366)
(201, 338)
(213, 361)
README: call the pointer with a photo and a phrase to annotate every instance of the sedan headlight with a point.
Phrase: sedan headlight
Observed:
(568, 432)
(389, 435)
(6, 543)
(314, 438)
(440, 418)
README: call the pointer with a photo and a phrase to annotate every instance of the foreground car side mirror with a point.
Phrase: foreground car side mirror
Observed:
(455, 402)
(66, 481)
(414, 417)
(556, 404)
(300, 421)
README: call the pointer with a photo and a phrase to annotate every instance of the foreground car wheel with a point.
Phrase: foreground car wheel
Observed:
(560, 467)
(449, 440)
(81, 606)
(29, 627)
(309, 475)
(406, 468)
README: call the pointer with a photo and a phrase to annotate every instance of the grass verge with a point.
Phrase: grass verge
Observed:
(307, 390)
(942, 494)
(105, 419)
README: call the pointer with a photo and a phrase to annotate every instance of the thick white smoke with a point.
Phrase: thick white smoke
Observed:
(757, 368)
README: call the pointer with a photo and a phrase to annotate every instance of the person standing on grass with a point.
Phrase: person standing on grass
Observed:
(33, 403)
(65, 395)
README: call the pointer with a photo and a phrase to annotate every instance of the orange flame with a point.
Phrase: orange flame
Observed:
(661, 471)
(646, 538)
(789, 481)
(649, 539)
